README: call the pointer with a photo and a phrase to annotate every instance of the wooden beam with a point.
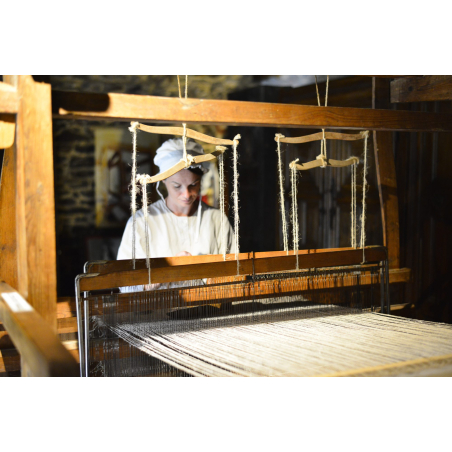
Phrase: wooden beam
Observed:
(130, 107)
(34, 197)
(163, 262)
(40, 349)
(386, 177)
(8, 233)
(7, 130)
(95, 281)
(420, 89)
(9, 100)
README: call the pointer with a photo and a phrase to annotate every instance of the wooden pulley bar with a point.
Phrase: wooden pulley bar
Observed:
(320, 136)
(323, 162)
(182, 164)
(179, 131)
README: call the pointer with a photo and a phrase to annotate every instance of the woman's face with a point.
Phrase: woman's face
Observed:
(183, 188)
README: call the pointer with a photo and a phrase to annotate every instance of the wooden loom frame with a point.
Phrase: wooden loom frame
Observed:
(27, 208)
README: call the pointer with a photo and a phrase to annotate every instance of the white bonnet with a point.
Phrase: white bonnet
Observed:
(172, 151)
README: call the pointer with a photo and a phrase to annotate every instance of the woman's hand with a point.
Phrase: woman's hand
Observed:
(183, 253)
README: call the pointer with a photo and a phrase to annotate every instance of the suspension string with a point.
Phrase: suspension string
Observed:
(294, 209)
(222, 207)
(353, 206)
(281, 195)
(178, 83)
(363, 215)
(235, 196)
(323, 142)
(184, 141)
(134, 129)
(146, 226)
(184, 137)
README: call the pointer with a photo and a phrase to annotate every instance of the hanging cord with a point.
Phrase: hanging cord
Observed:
(235, 195)
(184, 137)
(281, 195)
(323, 142)
(363, 215)
(134, 129)
(353, 206)
(222, 206)
(294, 209)
(142, 180)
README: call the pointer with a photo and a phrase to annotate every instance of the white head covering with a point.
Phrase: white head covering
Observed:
(172, 152)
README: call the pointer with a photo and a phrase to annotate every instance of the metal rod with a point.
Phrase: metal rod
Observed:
(388, 309)
(79, 323)
(382, 289)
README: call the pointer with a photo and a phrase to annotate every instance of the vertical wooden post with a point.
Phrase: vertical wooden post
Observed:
(34, 197)
(386, 176)
(8, 240)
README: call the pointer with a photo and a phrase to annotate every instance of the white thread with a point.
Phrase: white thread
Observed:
(293, 170)
(281, 196)
(363, 215)
(222, 206)
(184, 141)
(133, 128)
(142, 179)
(353, 206)
(235, 195)
(294, 347)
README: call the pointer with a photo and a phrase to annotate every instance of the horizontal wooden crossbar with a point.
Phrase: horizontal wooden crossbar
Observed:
(132, 107)
(160, 262)
(9, 100)
(168, 273)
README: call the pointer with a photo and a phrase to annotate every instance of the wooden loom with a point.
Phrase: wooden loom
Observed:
(28, 243)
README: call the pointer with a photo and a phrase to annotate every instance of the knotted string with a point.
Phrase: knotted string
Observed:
(222, 206)
(293, 170)
(235, 195)
(134, 128)
(363, 215)
(281, 195)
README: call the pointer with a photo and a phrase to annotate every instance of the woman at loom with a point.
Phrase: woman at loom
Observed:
(180, 224)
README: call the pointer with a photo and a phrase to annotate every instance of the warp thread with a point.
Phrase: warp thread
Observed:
(363, 214)
(222, 206)
(134, 129)
(293, 170)
(235, 195)
(281, 195)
